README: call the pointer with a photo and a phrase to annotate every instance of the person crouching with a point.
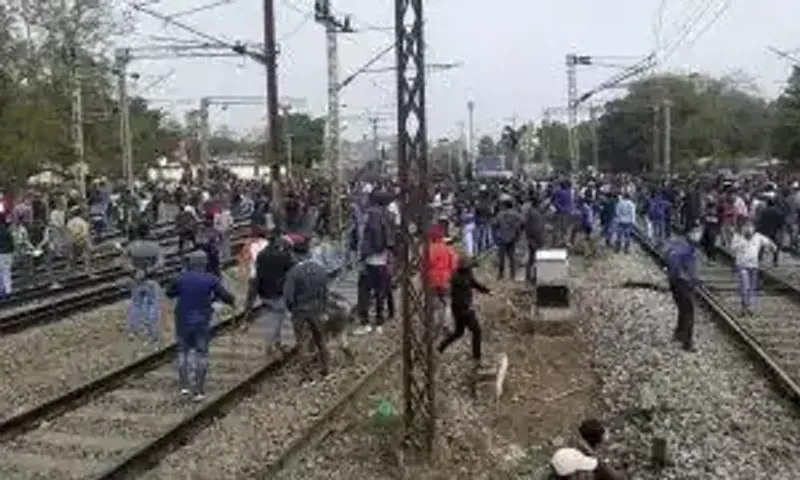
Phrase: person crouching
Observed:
(195, 290)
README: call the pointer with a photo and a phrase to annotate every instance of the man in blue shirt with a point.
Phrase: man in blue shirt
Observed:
(682, 270)
(194, 291)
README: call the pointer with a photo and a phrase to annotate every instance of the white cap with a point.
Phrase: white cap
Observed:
(568, 461)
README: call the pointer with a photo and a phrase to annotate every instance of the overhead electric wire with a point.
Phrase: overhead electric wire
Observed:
(201, 8)
(723, 8)
(688, 28)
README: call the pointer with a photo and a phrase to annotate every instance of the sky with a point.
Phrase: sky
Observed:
(511, 54)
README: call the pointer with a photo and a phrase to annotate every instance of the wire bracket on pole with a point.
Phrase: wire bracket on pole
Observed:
(412, 149)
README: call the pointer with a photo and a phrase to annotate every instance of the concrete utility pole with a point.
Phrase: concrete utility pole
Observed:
(667, 138)
(273, 115)
(122, 58)
(545, 140)
(595, 140)
(572, 115)
(287, 138)
(203, 135)
(656, 138)
(471, 133)
(375, 142)
(462, 138)
(77, 127)
(333, 27)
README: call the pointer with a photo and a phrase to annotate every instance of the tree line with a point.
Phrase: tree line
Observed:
(49, 46)
(724, 119)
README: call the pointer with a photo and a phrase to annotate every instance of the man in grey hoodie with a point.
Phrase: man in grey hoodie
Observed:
(305, 294)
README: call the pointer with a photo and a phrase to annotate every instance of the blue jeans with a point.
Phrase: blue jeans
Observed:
(143, 309)
(483, 237)
(193, 339)
(623, 232)
(748, 282)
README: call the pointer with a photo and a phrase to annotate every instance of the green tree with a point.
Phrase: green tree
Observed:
(486, 146)
(710, 118)
(786, 123)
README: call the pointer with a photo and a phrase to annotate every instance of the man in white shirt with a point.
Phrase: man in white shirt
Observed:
(746, 248)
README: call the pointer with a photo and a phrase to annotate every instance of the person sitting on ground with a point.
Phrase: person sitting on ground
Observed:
(580, 462)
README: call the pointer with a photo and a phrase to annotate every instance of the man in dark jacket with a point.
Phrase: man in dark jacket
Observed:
(507, 229)
(770, 223)
(6, 256)
(378, 241)
(194, 291)
(305, 294)
(534, 235)
(272, 265)
(463, 309)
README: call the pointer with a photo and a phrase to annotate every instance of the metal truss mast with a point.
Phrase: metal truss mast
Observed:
(412, 151)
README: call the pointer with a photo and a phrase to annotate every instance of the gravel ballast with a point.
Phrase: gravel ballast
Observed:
(719, 415)
(42, 362)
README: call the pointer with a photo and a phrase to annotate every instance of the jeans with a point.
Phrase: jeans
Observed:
(6, 263)
(373, 282)
(748, 282)
(506, 252)
(143, 310)
(193, 339)
(275, 315)
(623, 237)
(465, 320)
(684, 301)
(468, 232)
(483, 237)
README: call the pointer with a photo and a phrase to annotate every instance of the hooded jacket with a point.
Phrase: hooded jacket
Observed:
(442, 259)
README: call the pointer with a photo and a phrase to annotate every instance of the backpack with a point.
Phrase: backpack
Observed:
(376, 231)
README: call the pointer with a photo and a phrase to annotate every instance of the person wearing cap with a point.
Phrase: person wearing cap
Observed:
(305, 294)
(683, 275)
(571, 463)
(194, 292)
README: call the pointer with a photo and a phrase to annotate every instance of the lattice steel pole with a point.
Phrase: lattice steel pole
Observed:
(412, 153)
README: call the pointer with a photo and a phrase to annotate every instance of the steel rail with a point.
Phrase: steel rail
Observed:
(105, 290)
(728, 320)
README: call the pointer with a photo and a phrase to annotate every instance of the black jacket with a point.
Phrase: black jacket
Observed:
(461, 285)
(272, 265)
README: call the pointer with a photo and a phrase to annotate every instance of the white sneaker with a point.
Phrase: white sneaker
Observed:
(379, 330)
(185, 392)
(362, 330)
(199, 397)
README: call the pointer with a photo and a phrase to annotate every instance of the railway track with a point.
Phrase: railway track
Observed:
(62, 271)
(124, 423)
(88, 293)
(121, 424)
(770, 335)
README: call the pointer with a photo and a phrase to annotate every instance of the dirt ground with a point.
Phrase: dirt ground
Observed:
(549, 390)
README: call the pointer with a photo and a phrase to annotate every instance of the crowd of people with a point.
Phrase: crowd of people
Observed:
(287, 265)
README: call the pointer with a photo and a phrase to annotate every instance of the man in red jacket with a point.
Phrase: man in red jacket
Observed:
(442, 262)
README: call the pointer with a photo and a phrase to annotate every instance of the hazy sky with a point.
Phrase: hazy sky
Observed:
(512, 53)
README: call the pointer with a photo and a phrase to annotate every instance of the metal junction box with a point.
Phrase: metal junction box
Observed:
(552, 268)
